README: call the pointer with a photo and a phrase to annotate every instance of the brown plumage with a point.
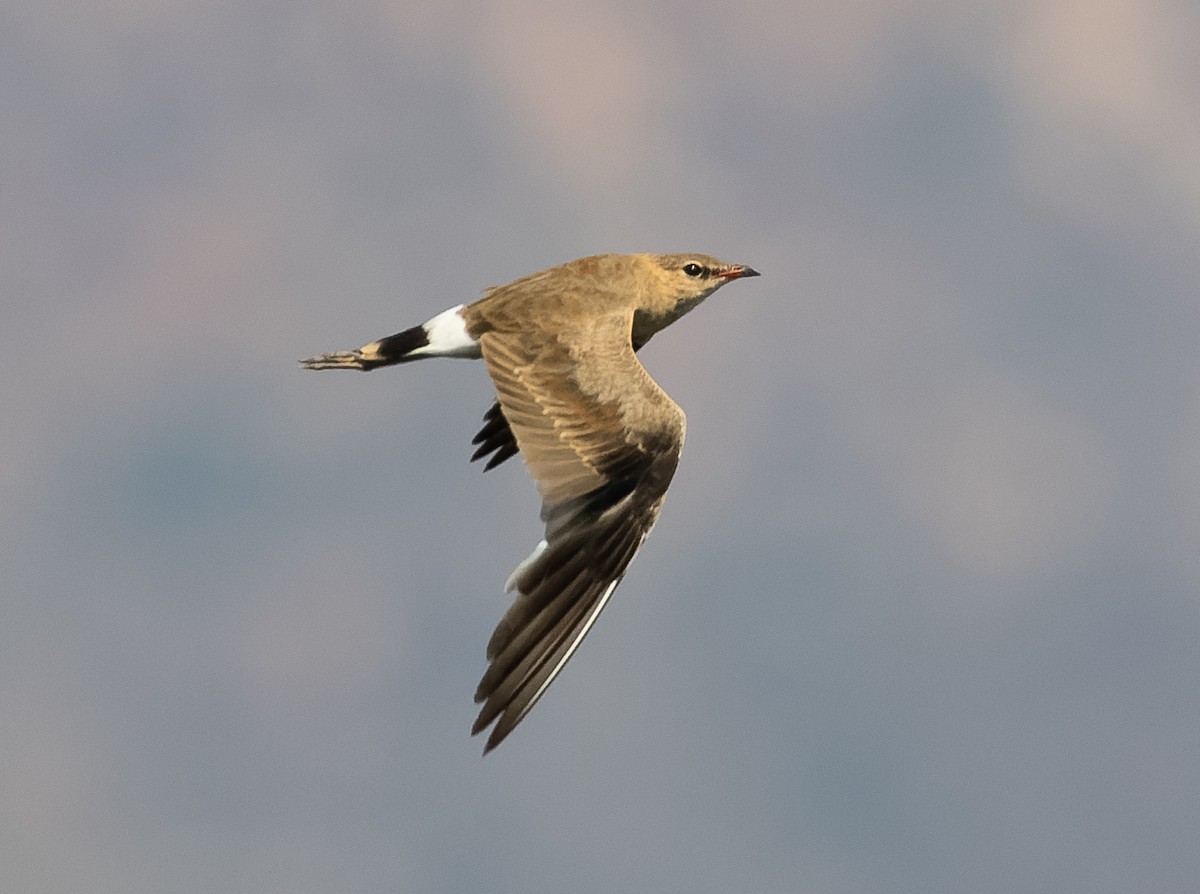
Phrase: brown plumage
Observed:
(600, 437)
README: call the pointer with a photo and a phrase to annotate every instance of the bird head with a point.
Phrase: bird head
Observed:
(673, 284)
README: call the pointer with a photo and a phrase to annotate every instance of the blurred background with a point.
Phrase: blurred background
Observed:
(922, 613)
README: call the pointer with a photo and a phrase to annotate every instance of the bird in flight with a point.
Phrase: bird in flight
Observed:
(599, 436)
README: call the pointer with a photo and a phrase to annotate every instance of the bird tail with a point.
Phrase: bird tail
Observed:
(443, 336)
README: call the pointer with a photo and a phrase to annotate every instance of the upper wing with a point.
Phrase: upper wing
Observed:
(602, 440)
(495, 438)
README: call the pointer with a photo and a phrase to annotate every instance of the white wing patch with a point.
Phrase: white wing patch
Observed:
(524, 566)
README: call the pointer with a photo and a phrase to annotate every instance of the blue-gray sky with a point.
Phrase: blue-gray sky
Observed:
(922, 613)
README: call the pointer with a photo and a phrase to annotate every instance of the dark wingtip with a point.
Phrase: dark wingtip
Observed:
(504, 453)
(495, 738)
(498, 735)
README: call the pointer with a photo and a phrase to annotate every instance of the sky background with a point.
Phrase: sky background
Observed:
(922, 612)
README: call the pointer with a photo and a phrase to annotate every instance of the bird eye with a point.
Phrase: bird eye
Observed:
(693, 269)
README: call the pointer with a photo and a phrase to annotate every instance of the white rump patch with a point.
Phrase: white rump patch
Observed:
(447, 334)
(524, 566)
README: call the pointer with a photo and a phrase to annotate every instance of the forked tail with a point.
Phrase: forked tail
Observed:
(443, 336)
